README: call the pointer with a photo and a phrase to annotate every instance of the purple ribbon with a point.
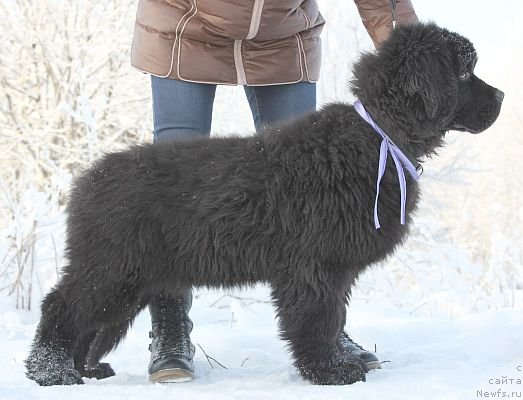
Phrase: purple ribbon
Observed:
(400, 160)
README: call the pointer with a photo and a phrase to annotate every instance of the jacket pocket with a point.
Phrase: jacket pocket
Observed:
(273, 62)
(204, 62)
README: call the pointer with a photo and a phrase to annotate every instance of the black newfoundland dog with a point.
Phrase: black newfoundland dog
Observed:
(305, 207)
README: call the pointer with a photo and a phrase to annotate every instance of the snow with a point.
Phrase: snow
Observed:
(436, 357)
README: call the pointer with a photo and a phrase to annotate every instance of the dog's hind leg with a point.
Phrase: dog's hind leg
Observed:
(82, 348)
(311, 311)
(50, 361)
(86, 365)
(97, 344)
(106, 340)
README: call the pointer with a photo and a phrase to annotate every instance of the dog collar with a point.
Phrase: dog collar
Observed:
(401, 161)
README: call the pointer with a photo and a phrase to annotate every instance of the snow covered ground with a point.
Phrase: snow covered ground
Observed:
(436, 357)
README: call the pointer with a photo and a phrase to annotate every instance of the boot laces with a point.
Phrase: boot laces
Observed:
(347, 342)
(172, 333)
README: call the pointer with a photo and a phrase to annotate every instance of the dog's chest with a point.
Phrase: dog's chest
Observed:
(348, 223)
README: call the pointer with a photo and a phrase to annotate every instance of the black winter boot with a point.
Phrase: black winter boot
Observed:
(350, 346)
(171, 349)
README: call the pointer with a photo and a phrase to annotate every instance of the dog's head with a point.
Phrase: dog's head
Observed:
(478, 104)
(421, 81)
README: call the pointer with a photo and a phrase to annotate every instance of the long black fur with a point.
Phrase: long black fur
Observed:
(292, 207)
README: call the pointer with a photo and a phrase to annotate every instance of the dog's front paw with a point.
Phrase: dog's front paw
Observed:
(101, 371)
(340, 372)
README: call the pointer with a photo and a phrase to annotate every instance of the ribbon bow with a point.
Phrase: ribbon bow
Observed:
(400, 160)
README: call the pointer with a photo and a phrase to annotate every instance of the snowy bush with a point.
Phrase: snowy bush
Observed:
(67, 93)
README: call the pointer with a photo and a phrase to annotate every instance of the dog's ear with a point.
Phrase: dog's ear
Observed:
(415, 82)
(425, 71)
(429, 77)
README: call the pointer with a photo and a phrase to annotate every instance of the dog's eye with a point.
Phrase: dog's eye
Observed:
(464, 76)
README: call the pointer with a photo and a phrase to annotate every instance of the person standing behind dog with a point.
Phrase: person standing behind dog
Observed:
(273, 49)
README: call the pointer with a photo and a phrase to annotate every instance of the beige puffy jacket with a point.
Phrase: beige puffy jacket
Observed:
(243, 42)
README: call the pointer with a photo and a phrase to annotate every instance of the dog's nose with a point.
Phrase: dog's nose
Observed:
(499, 95)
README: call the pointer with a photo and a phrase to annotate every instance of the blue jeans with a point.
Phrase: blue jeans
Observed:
(184, 109)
